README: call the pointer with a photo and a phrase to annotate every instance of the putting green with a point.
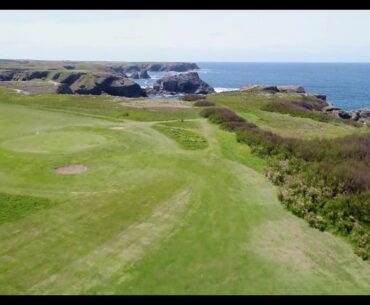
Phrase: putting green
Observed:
(55, 142)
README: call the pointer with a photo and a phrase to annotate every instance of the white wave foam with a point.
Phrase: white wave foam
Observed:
(221, 89)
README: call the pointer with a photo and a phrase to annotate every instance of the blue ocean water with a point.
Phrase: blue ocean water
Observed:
(347, 85)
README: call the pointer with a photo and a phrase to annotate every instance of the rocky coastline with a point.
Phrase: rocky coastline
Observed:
(361, 115)
(98, 79)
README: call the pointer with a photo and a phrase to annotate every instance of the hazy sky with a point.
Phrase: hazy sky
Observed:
(335, 36)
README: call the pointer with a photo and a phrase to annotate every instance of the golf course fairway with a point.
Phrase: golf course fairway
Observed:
(165, 206)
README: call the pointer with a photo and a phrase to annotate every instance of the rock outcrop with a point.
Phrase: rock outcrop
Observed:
(68, 67)
(124, 87)
(22, 75)
(182, 83)
(291, 89)
(361, 115)
(135, 75)
(320, 96)
(144, 74)
(63, 89)
(274, 89)
(66, 78)
(108, 84)
(71, 82)
(266, 88)
(337, 112)
(176, 67)
(6, 75)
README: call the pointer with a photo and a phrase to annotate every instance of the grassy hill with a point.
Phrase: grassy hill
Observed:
(169, 203)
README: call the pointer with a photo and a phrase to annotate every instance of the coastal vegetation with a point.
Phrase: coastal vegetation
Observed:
(325, 181)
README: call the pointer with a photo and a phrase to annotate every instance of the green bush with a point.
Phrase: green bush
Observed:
(203, 103)
(192, 97)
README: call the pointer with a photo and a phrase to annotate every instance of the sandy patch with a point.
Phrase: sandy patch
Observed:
(70, 169)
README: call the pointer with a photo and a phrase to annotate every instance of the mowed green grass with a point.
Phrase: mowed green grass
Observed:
(103, 107)
(150, 217)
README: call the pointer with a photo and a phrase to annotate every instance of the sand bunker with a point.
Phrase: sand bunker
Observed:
(70, 169)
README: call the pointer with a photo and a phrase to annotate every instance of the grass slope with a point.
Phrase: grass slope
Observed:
(251, 105)
(149, 216)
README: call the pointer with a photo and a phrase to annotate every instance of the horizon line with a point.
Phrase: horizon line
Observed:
(201, 61)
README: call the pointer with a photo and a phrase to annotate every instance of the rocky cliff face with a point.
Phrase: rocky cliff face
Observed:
(109, 84)
(182, 83)
(22, 75)
(80, 82)
(6, 75)
(124, 87)
(96, 78)
(156, 67)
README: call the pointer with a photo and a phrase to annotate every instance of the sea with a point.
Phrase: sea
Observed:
(346, 85)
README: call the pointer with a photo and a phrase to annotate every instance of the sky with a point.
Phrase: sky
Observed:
(186, 35)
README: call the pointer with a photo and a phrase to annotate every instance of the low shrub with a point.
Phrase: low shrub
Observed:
(203, 103)
(326, 182)
(304, 109)
(221, 115)
(192, 97)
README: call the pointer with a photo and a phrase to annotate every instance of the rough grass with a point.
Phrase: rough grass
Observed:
(187, 139)
(16, 207)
